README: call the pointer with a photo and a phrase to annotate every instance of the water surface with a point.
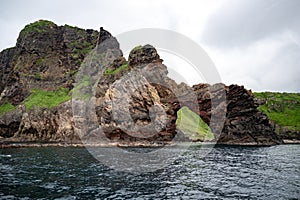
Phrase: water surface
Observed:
(226, 173)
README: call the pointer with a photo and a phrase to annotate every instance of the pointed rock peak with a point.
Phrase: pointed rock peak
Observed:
(103, 35)
(143, 55)
(107, 42)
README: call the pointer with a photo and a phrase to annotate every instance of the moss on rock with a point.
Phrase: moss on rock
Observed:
(192, 125)
(38, 26)
(4, 108)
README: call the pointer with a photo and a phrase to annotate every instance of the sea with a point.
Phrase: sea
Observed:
(224, 172)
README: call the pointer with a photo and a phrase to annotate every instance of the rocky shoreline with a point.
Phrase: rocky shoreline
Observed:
(5, 145)
(45, 97)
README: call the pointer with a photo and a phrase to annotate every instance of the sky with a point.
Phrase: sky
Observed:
(255, 43)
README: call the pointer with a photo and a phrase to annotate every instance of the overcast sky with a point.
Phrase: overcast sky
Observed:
(255, 43)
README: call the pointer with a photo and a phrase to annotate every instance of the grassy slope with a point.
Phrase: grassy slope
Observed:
(46, 99)
(282, 108)
(40, 98)
(192, 125)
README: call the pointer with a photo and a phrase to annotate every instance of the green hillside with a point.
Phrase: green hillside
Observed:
(282, 108)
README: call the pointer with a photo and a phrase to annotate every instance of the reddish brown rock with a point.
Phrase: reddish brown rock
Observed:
(135, 99)
(244, 124)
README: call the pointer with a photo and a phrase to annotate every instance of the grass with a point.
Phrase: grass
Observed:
(192, 125)
(115, 71)
(46, 99)
(4, 108)
(40, 98)
(136, 48)
(282, 108)
(37, 26)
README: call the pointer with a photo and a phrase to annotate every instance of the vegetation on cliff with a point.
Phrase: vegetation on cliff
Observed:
(46, 99)
(192, 125)
(41, 70)
(109, 71)
(38, 26)
(4, 108)
(40, 99)
(282, 108)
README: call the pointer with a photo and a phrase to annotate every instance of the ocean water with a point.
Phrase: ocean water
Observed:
(227, 172)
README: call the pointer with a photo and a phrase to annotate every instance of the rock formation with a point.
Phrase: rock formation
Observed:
(283, 111)
(243, 122)
(135, 100)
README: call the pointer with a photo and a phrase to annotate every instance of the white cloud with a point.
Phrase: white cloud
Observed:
(267, 64)
(253, 43)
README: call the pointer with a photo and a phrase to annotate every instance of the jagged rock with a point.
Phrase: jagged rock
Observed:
(46, 56)
(136, 106)
(243, 122)
(134, 100)
(5, 66)
(39, 125)
(10, 122)
(141, 55)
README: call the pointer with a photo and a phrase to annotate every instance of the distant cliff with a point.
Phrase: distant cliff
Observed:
(37, 82)
(283, 109)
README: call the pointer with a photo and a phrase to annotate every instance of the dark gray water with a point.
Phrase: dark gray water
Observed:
(225, 173)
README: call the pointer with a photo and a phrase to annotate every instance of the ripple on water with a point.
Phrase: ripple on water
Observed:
(225, 173)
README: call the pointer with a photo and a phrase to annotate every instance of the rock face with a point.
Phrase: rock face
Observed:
(283, 111)
(6, 66)
(138, 103)
(243, 123)
(42, 125)
(135, 100)
(46, 56)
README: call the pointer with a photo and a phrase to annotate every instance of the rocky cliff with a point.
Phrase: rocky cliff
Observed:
(283, 109)
(134, 99)
(244, 123)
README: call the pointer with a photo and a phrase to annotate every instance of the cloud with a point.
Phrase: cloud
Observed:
(115, 15)
(256, 43)
(267, 64)
(238, 23)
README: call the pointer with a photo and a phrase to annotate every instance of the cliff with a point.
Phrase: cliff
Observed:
(283, 109)
(37, 83)
(244, 123)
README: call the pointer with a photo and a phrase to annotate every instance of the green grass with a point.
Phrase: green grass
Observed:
(46, 99)
(136, 48)
(115, 71)
(192, 125)
(38, 26)
(4, 108)
(282, 108)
